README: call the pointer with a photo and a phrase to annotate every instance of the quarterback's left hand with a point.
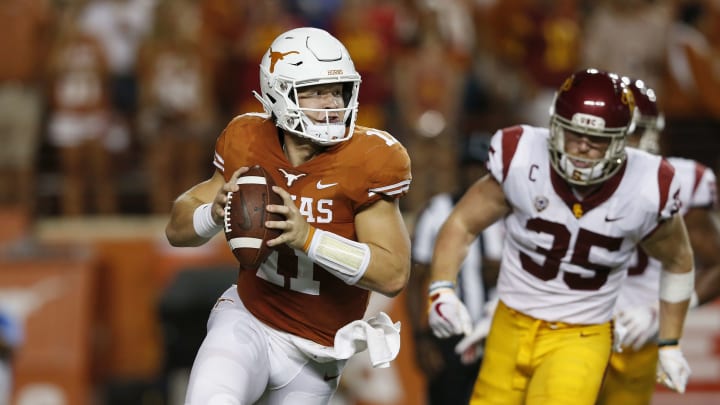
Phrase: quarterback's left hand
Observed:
(673, 370)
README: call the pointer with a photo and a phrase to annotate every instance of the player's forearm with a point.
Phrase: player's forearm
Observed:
(387, 273)
(672, 319)
(450, 250)
(676, 289)
(181, 230)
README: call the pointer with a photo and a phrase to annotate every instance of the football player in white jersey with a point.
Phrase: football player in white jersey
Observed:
(631, 374)
(576, 204)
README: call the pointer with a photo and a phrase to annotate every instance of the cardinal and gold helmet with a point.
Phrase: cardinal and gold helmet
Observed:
(592, 103)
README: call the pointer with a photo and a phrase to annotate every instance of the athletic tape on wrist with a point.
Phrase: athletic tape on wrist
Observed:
(203, 222)
(677, 287)
(439, 284)
(346, 259)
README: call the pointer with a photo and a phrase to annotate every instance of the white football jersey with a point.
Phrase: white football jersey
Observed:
(564, 258)
(697, 190)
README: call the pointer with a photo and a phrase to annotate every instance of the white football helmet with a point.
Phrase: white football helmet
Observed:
(306, 57)
(594, 103)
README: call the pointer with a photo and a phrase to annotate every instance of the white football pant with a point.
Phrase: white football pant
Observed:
(243, 361)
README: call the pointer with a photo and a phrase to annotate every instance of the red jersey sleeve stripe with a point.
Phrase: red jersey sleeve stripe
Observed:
(699, 171)
(665, 175)
(510, 139)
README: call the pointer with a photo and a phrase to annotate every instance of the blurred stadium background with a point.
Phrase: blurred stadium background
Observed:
(107, 313)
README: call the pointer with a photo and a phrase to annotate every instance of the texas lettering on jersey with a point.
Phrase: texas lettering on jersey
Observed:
(289, 290)
(575, 249)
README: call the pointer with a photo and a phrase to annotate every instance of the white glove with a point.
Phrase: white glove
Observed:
(641, 326)
(673, 370)
(619, 332)
(448, 315)
(470, 347)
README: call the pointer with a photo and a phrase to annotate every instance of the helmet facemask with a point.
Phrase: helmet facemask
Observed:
(597, 170)
(325, 131)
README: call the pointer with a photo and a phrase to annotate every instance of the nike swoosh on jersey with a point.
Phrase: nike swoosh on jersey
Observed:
(321, 186)
(608, 219)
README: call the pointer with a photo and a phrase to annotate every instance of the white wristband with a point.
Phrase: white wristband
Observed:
(694, 300)
(203, 222)
(440, 284)
(677, 287)
(346, 259)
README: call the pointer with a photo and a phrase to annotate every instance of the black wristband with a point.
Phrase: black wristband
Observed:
(668, 342)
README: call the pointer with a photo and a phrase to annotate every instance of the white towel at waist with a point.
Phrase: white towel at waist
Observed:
(378, 335)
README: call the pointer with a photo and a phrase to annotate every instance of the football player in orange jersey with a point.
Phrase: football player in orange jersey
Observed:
(575, 204)
(284, 333)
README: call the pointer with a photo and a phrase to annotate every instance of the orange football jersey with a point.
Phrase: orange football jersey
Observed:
(289, 292)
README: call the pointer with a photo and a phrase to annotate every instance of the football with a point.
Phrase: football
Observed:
(245, 217)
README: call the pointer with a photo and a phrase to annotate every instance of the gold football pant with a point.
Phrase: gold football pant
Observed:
(535, 362)
(631, 377)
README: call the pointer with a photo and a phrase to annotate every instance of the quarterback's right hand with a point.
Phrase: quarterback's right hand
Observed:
(673, 370)
(448, 315)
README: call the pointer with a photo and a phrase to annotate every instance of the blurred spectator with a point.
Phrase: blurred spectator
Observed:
(540, 40)
(428, 80)
(176, 110)
(222, 26)
(120, 26)
(265, 21)
(79, 118)
(236, 34)
(692, 58)
(26, 28)
(692, 83)
(317, 13)
(627, 37)
(367, 30)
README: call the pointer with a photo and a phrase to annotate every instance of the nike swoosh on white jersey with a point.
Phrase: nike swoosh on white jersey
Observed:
(321, 186)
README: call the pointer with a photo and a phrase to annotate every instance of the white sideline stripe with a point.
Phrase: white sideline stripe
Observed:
(251, 180)
(252, 243)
